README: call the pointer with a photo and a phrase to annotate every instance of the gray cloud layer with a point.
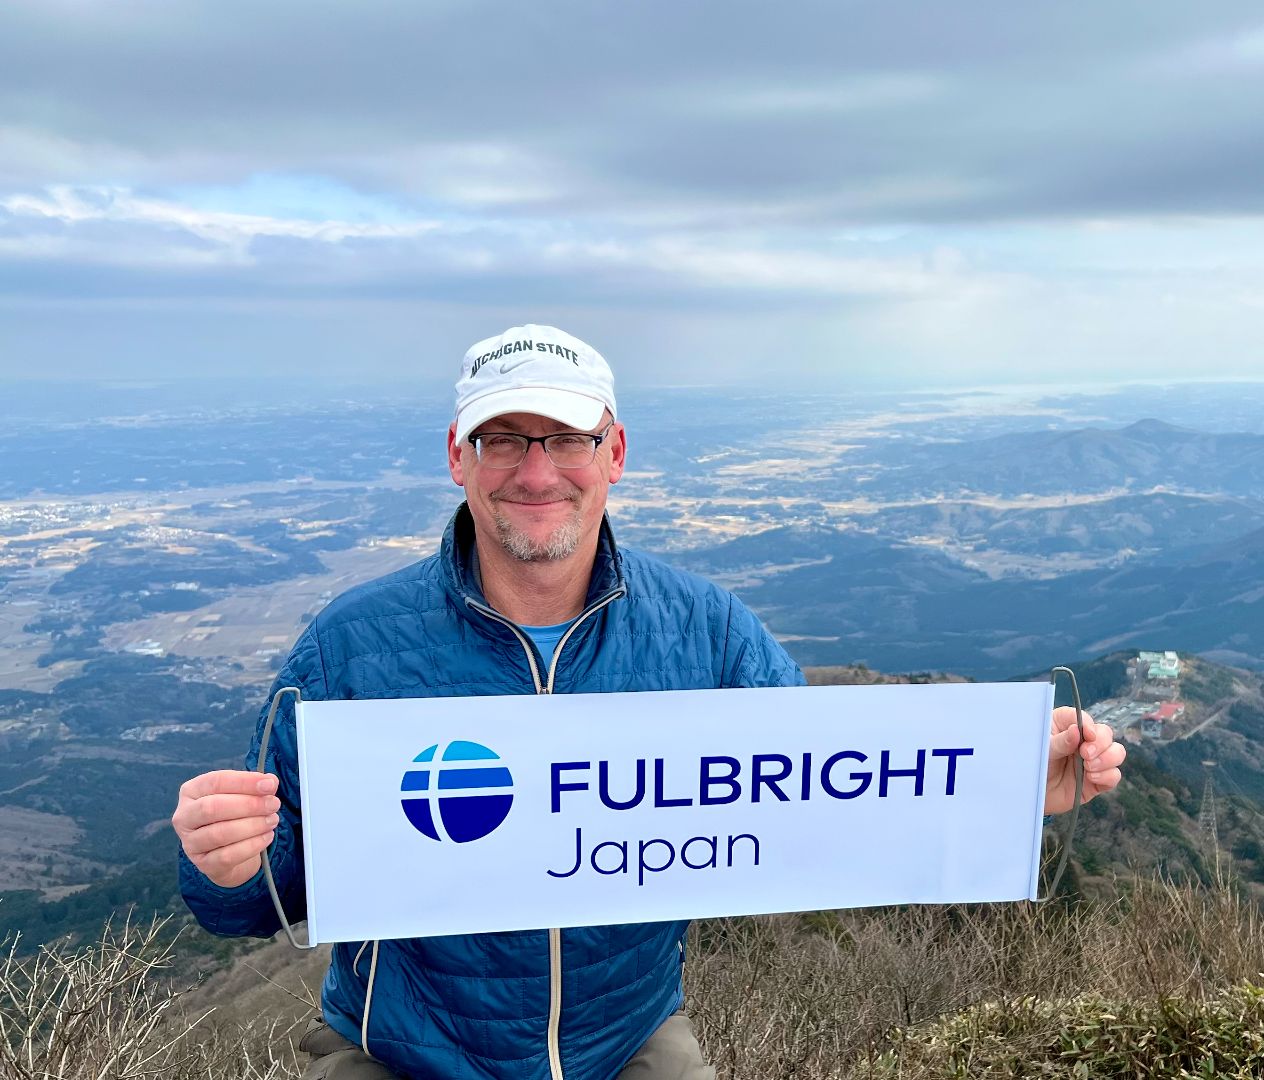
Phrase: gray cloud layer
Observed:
(815, 111)
(939, 186)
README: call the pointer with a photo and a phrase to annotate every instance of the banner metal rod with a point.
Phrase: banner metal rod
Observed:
(1074, 816)
(261, 767)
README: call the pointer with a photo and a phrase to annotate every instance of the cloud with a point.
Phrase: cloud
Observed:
(865, 93)
(230, 232)
(104, 227)
(949, 113)
(954, 186)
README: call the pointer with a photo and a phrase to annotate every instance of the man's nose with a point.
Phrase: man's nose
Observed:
(537, 468)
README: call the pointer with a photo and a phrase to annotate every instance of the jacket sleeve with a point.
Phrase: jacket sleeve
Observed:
(247, 910)
(752, 656)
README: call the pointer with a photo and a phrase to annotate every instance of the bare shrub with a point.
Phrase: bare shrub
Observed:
(104, 1011)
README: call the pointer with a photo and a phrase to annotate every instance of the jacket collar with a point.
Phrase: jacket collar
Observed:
(458, 555)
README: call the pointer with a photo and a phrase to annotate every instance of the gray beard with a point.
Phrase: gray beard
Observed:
(561, 543)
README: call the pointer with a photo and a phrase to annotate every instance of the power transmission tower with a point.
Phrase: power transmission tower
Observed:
(1207, 818)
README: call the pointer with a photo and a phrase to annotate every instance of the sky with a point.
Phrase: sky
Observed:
(794, 193)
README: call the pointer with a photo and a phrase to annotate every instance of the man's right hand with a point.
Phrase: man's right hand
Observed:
(225, 821)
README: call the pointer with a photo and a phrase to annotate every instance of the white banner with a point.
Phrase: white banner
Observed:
(461, 815)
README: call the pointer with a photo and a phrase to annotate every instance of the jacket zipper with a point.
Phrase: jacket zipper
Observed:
(555, 934)
(540, 686)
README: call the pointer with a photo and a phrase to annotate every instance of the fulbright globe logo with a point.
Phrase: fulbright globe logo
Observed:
(458, 794)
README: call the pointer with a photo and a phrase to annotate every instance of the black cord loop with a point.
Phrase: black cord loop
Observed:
(1074, 816)
(261, 766)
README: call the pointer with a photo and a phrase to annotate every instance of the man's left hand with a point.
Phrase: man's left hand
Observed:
(1102, 759)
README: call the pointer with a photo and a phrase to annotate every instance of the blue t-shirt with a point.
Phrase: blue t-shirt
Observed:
(547, 637)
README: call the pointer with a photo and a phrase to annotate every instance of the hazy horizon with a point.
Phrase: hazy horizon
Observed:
(1226, 405)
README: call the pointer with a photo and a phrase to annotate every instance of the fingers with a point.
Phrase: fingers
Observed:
(1102, 782)
(198, 813)
(1102, 739)
(229, 782)
(227, 834)
(224, 795)
(1103, 766)
(1103, 758)
(1064, 720)
(236, 863)
(225, 821)
(1066, 734)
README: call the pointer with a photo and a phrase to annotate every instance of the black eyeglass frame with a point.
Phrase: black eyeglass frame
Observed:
(597, 437)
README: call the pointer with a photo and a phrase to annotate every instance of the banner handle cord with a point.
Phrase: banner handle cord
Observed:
(261, 767)
(1074, 815)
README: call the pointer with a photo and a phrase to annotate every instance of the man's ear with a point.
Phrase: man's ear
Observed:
(618, 451)
(454, 457)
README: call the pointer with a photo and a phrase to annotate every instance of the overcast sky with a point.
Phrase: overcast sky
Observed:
(969, 193)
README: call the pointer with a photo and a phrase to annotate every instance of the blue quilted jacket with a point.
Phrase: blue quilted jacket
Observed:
(485, 1005)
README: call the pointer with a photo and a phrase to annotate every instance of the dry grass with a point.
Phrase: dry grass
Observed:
(877, 993)
(1162, 982)
(105, 1011)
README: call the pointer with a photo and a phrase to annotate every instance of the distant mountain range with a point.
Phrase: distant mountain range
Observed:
(1139, 457)
(1025, 549)
(1133, 524)
(842, 596)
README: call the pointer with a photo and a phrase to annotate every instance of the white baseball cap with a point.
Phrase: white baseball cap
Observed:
(533, 369)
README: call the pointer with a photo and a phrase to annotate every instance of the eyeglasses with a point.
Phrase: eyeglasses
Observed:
(566, 449)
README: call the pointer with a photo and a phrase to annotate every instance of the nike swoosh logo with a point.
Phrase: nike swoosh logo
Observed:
(509, 365)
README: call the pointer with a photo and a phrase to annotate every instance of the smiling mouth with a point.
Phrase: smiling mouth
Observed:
(517, 500)
(535, 502)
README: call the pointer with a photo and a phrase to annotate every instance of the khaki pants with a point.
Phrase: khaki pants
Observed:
(671, 1053)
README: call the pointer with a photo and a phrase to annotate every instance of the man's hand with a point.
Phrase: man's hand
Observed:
(1102, 758)
(226, 820)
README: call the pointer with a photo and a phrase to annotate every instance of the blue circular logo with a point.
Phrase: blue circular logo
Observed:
(457, 795)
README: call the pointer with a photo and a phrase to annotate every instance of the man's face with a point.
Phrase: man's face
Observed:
(538, 512)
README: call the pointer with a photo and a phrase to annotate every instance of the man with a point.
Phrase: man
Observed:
(528, 594)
